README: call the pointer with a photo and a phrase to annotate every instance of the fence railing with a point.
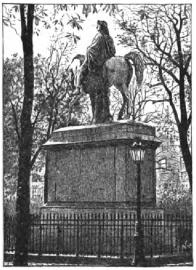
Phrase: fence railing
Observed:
(102, 234)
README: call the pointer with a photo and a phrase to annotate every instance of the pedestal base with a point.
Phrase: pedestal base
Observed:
(74, 208)
(91, 166)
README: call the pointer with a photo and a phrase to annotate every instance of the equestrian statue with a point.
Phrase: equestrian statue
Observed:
(100, 69)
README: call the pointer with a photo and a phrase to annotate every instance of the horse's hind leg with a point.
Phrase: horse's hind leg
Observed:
(106, 101)
(124, 92)
(120, 115)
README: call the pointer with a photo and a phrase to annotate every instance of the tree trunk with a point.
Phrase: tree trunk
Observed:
(25, 144)
(187, 157)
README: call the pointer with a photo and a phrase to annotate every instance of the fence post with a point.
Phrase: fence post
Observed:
(160, 232)
(164, 232)
(122, 234)
(130, 231)
(151, 234)
(78, 235)
(75, 234)
(58, 235)
(171, 234)
(89, 238)
(99, 233)
(40, 237)
(107, 247)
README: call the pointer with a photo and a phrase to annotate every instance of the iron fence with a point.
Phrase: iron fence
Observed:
(102, 234)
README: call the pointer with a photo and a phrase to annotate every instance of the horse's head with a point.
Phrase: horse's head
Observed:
(74, 70)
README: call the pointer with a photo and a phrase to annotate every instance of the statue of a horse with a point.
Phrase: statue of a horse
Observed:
(117, 71)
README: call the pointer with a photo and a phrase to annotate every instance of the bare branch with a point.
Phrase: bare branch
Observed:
(189, 120)
(170, 97)
(35, 156)
(154, 62)
(156, 101)
(188, 78)
(187, 63)
(39, 111)
(155, 85)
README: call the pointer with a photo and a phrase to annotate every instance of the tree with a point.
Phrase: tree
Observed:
(25, 140)
(162, 34)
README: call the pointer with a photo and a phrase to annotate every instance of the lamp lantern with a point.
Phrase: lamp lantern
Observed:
(137, 151)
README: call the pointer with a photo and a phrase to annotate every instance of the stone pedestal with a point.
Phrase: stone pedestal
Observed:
(89, 168)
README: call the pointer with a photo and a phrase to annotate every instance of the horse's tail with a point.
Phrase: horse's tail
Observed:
(138, 63)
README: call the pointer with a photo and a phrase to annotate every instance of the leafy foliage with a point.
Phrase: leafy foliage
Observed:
(75, 22)
(178, 202)
(12, 85)
(49, 16)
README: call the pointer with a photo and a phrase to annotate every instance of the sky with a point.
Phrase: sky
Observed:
(12, 41)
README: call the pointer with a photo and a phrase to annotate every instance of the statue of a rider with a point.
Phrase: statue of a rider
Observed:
(101, 49)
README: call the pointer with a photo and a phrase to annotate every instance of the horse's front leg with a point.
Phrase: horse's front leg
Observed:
(126, 104)
(106, 102)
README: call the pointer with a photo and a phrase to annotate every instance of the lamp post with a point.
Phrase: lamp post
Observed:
(137, 152)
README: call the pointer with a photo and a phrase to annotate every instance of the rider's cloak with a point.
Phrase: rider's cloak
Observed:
(101, 49)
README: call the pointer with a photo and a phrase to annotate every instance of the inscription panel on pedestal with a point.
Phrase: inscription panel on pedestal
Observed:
(97, 174)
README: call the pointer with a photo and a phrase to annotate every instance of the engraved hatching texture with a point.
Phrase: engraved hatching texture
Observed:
(98, 174)
(120, 173)
(131, 177)
(104, 174)
(63, 164)
(82, 175)
(68, 177)
(51, 175)
(103, 133)
(147, 174)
